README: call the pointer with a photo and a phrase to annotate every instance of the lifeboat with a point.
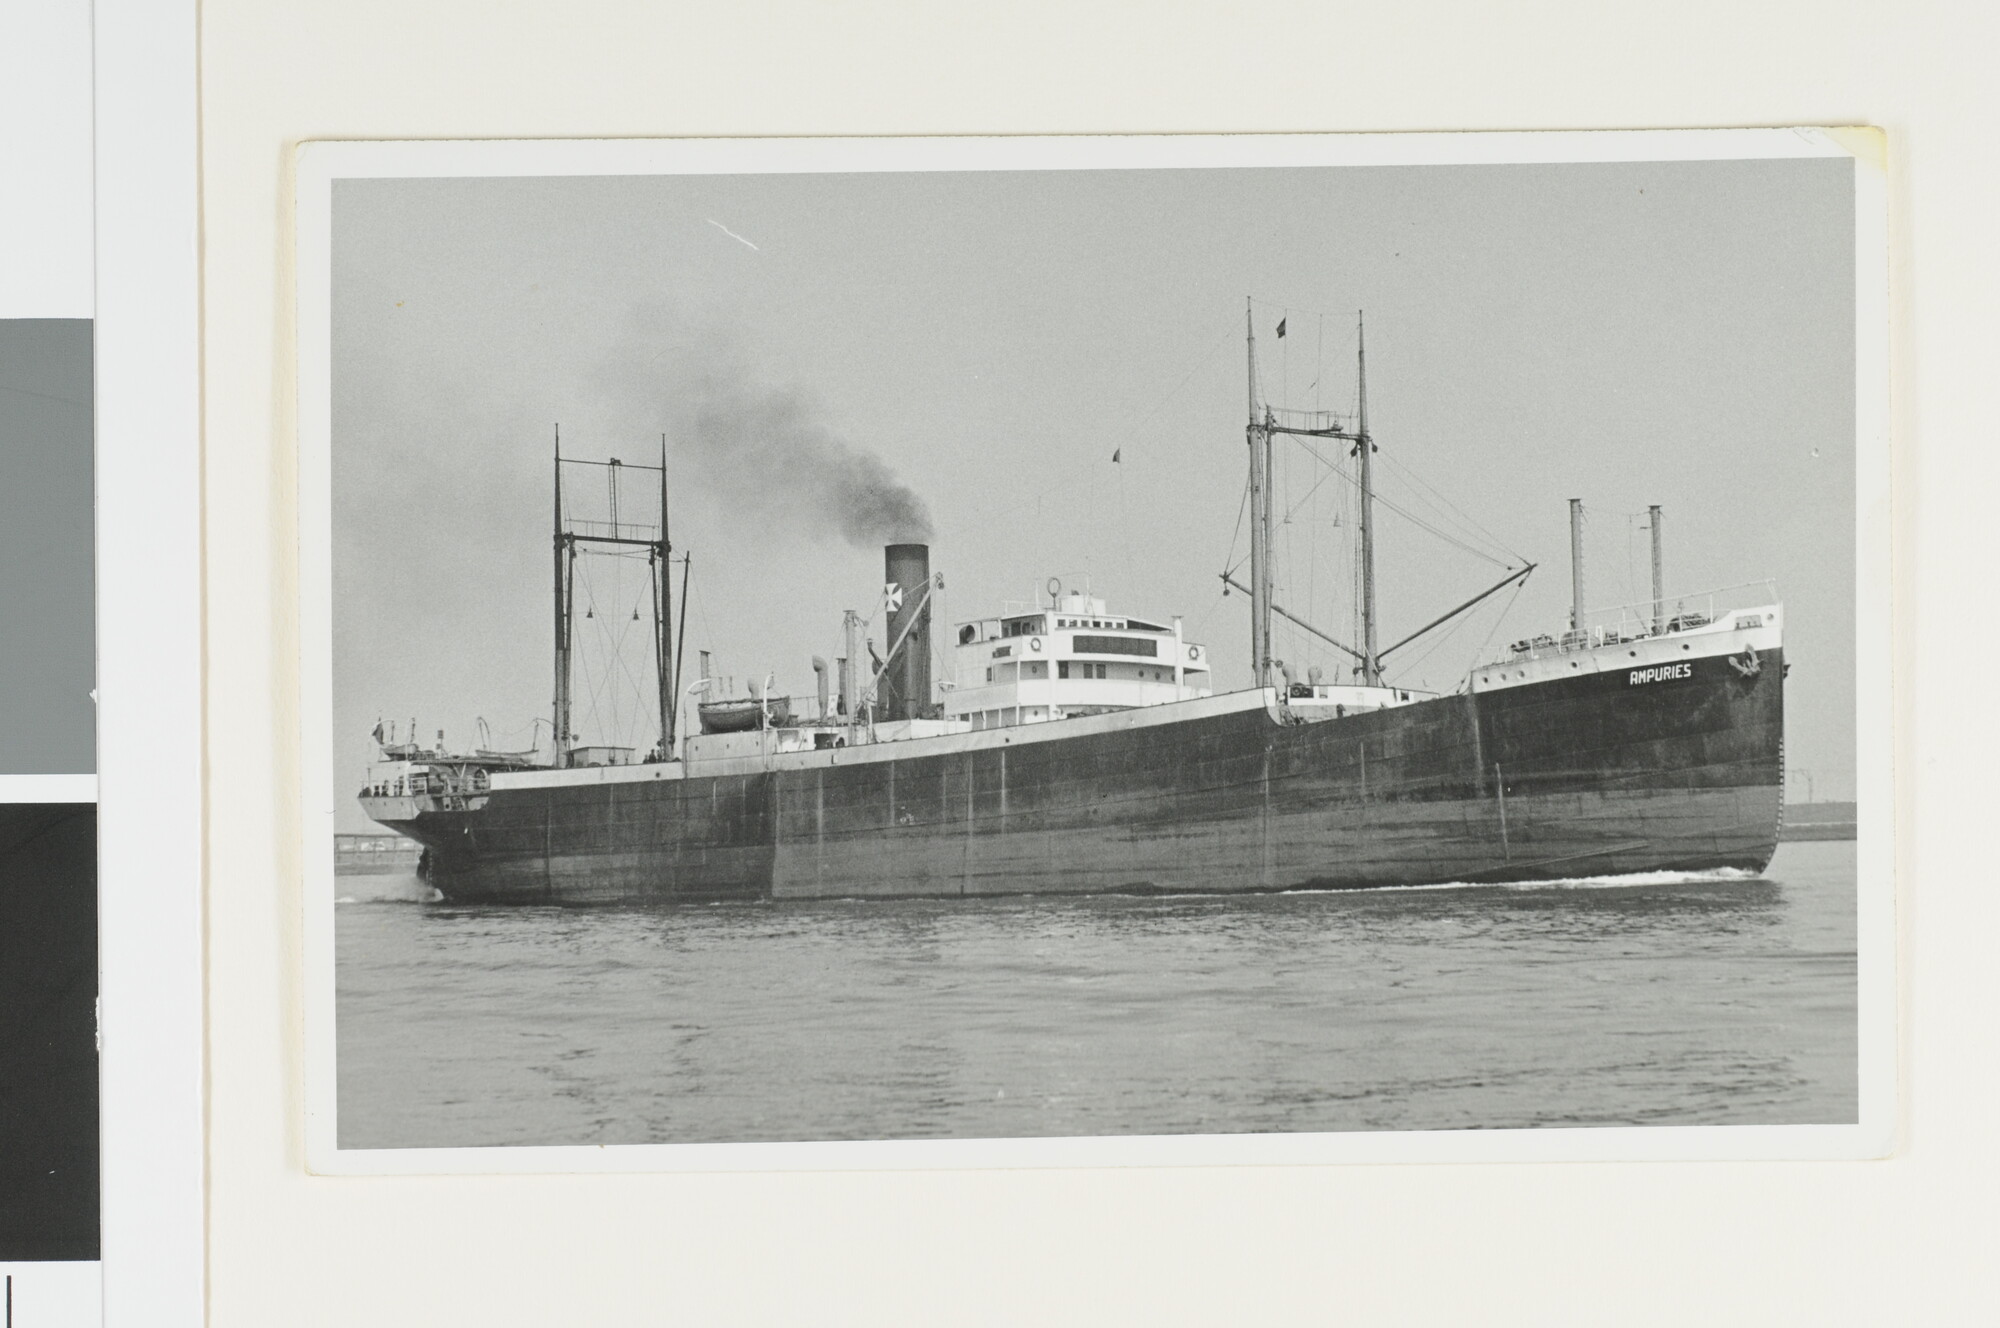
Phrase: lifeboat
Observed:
(745, 714)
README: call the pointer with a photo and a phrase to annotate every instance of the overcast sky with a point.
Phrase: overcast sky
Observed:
(48, 722)
(1679, 334)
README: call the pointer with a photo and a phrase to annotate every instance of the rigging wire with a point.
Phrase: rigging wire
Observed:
(1125, 534)
(1284, 531)
(1319, 360)
(1499, 618)
(620, 730)
(645, 721)
(1437, 515)
(1312, 569)
(1237, 534)
(1403, 512)
(590, 603)
(631, 730)
(1206, 357)
(1436, 644)
(1193, 628)
(1454, 511)
(1329, 474)
(1284, 359)
(1343, 314)
(1479, 654)
(701, 611)
(941, 664)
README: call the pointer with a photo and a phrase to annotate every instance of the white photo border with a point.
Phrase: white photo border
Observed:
(1873, 1135)
(150, 626)
(46, 113)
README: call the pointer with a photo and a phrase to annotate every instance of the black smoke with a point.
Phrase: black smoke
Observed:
(770, 452)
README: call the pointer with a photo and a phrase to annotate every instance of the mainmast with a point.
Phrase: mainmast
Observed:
(1325, 424)
(564, 554)
(663, 615)
(1263, 426)
(1371, 662)
(1259, 439)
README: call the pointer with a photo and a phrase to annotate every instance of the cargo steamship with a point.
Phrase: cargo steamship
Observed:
(1076, 749)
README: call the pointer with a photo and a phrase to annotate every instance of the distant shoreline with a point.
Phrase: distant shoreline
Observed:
(1818, 820)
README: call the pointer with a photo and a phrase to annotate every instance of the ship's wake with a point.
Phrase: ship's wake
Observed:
(389, 888)
(1629, 880)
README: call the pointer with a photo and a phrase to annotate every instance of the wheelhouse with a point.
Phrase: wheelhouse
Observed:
(1073, 657)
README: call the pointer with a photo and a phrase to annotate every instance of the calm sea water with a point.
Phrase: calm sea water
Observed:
(1675, 1001)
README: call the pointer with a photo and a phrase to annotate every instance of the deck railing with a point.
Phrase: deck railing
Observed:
(1618, 623)
(1317, 421)
(630, 530)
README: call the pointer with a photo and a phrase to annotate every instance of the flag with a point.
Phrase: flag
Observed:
(1115, 452)
(1281, 327)
(378, 730)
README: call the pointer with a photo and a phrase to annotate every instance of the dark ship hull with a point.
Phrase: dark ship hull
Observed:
(1601, 773)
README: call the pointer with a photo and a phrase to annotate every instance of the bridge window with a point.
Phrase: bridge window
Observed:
(1118, 645)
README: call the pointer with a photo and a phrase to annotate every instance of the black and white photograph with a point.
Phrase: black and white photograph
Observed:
(946, 642)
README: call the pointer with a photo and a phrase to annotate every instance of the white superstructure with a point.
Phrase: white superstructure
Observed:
(1069, 659)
